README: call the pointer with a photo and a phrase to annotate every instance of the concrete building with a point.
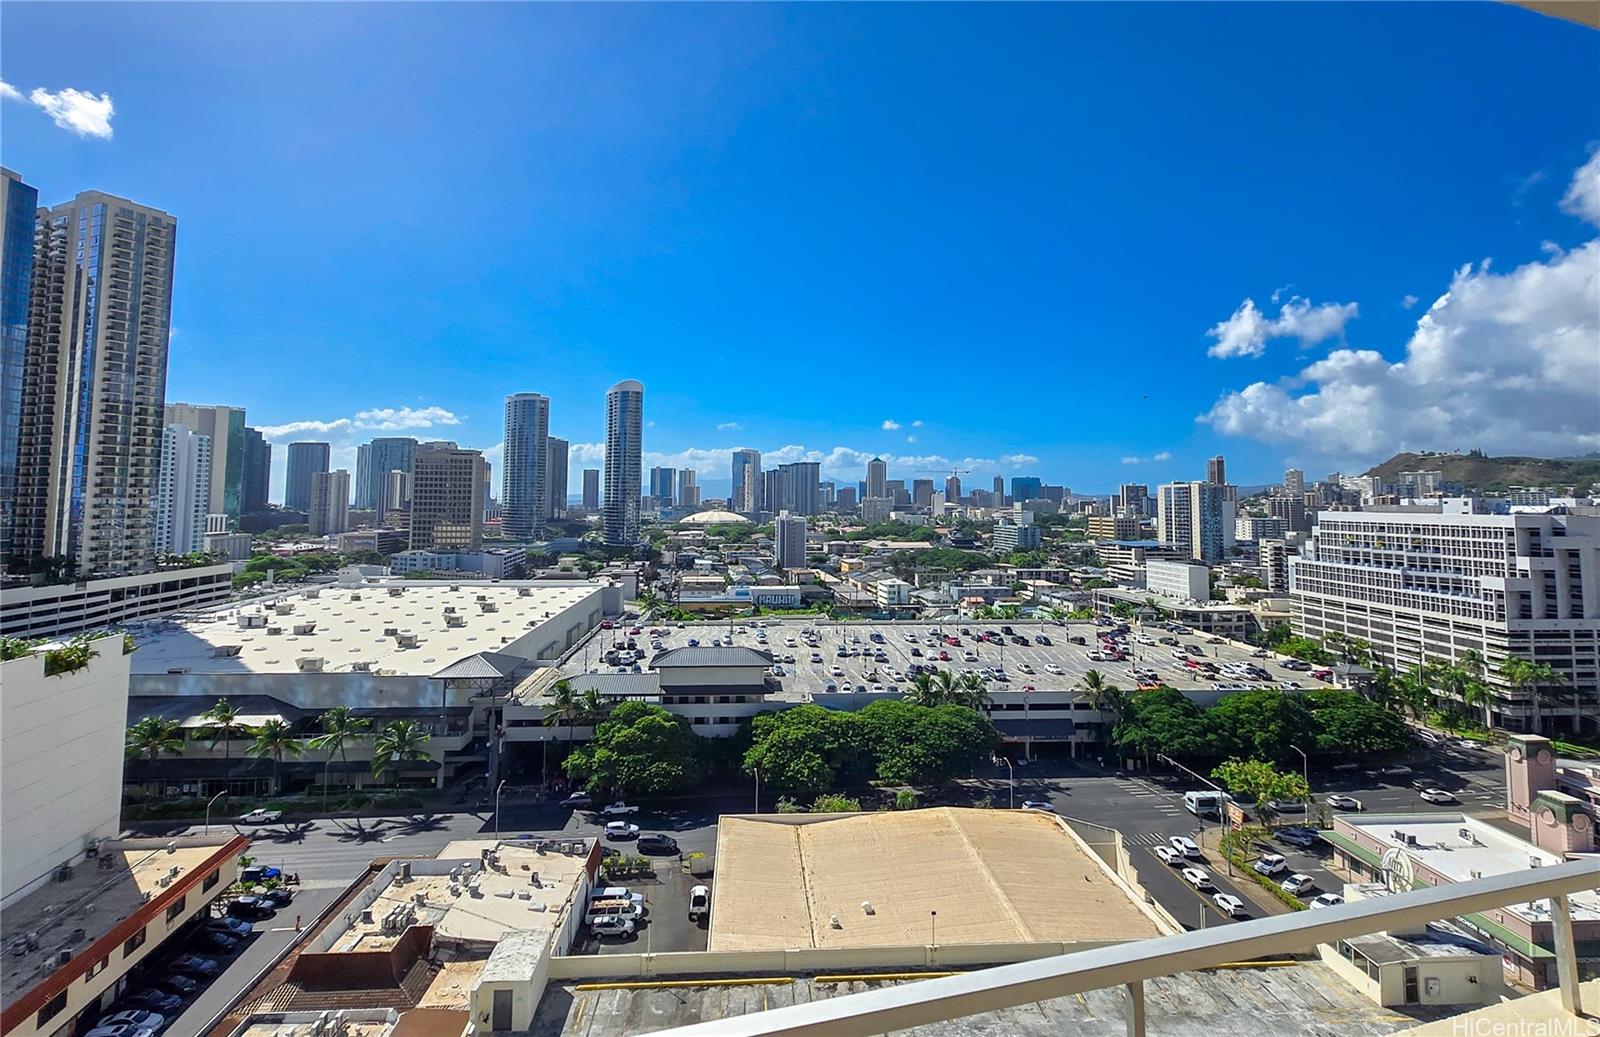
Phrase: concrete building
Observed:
(1423, 586)
(329, 511)
(747, 494)
(18, 205)
(624, 455)
(525, 498)
(365, 497)
(94, 384)
(688, 488)
(385, 541)
(789, 540)
(591, 490)
(556, 463)
(844, 498)
(1294, 483)
(447, 487)
(1217, 471)
(1010, 535)
(235, 547)
(305, 460)
(1291, 511)
(183, 490)
(1123, 526)
(1178, 579)
(803, 481)
(257, 470)
(1255, 528)
(56, 610)
(876, 509)
(394, 494)
(225, 427)
(891, 593)
(1190, 515)
(1274, 555)
(664, 486)
(385, 454)
(877, 479)
(922, 493)
(1135, 498)
(500, 564)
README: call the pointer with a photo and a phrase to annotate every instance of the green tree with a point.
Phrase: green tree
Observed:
(1349, 724)
(906, 799)
(639, 749)
(916, 745)
(1260, 781)
(151, 737)
(807, 749)
(341, 728)
(1165, 721)
(833, 804)
(564, 705)
(1530, 677)
(222, 723)
(274, 740)
(398, 742)
(1263, 724)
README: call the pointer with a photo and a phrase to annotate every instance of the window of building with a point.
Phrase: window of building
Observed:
(98, 967)
(133, 942)
(176, 909)
(52, 1008)
(211, 880)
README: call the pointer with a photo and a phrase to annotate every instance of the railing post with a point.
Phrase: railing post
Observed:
(1566, 954)
(1136, 1008)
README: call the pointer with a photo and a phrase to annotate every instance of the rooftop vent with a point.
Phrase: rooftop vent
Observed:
(455, 621)
(310, 663)
(274, 630)
(524, 592)
(355, 595)
(361, 667)
(224, 651)
(314, 592)
(488, 606)
(455, 586)
(283, 608)
(391, 631)
(395, 592)
(406, 640)
(305, 628)
(178, 669)
(252, 621)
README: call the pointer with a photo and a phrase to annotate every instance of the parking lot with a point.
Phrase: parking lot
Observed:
(666, 925)
(1056, 663)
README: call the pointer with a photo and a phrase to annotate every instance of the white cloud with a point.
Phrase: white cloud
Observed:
(1505, 362)
(9, 92)
(1164, 455)
(1132, 460)
(911, 439)
(917, 423)
(1583, 194)
(1409, 301)
(728, 426)
(378, 419)
(86, 114)
(1247, 332)
(890, 425)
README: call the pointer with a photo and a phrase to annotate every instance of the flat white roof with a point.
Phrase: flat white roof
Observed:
(345, 626)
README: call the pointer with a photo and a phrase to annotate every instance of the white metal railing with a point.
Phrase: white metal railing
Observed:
(901, 1007)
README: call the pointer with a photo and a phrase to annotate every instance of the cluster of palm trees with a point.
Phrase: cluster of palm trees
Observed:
(944, 688)
(569, 707)
(397, 742)
(1463, 681)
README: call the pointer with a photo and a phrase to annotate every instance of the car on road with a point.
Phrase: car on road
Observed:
(1326, 900)
(612, 925)
(1298, 884)
(1468, 743)
(260, 816)
(1339, 801)
(1197, 877)
(618, 809)
(1396, 770)
(1437, 796)
(658, 844)
(1038, 804)
(1229, 904)
(836, 671)
(1216, 640)
(1428, 737)
(699, 902)
(1186, 846)
(816, 657)
(136, 1017)
(1286, 806)
(1270, 863)
(158, 1001)
(1053, 668)
(278, 896)
(1169, 856)
(193, 965)
(250, 907)
(617, 830)
(1301, 837)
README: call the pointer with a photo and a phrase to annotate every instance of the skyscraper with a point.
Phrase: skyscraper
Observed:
(688, 488)
(746, 497)
(330, 502)
(89, 441)
(394, 495)
(1294, 482)
(447, 485)
(18, 203)
(1216, 471)
(774, 490)
(624, 454)
(1025, 487)
(952, 489)
(802, 487)
(257, 469)
(877, 477)
(999, 491)
(385, 454)
(922, 492)
(1190, 515)
(556, 462)
(183, 491)
(225, 427)
(789, 540)
(1134, 497)
(525, 499)
(663, 486)
(591, 490)
(305, 460)
(365, 494)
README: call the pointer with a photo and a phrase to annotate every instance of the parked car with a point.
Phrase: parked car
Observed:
(1301, 837)
(621, 830)
(1043, 640)
(183, 986)
(1437, 796)
(193, 965)
(1038, 804)
(278, 896)
(229, 926)
(260, 816)
(658, 844)
(250, 907)
(1270, 863)
(612, 925)
(1428, 737)
(1231, 905)
(121, 1031)
(256, 873)
(699, 902)
(136, 1017)
(1326, 900)
(1186, 846)
(1342, 802)
(216, 942)
(1468, 743)
(617, 893)
(1298, 884)
(1169, 856)
(618, 809)
(158, 1001)
(1197, 877)
(1287, 806)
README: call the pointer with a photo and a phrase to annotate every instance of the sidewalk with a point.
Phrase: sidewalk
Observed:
(1243, 879)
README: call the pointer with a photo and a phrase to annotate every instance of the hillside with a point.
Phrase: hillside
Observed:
(1495, 474)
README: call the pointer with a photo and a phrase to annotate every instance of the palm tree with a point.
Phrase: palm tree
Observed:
(564, 704)
(1530, 677)
(222, 723)
(340, 727)
(592, 709)
(1414, 692)
(151, 737)
(1095, 689)
(400, 741)
(275, 740)
(971, 691)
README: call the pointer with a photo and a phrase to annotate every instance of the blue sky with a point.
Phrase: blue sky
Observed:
(801, 226)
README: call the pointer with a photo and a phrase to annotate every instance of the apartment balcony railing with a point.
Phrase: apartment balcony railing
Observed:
(897, 1008)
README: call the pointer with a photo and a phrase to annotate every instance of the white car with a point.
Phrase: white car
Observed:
(1270, 864)
(1168, 855)
(1467, 743)
(1341, 802)
(1025, 668)
(1038, 804)
(259, 817)
(1429, 737)
(612, 925)
(1437, 796)
(1326, 900)
(137, 1018)
(618, 809)
(1229, 904)
(816, 657)
(836, 671)
(1197, 877)
(699, 902)
(616, 830)
(1298, 884)
(1185, 845)
(1053, 668)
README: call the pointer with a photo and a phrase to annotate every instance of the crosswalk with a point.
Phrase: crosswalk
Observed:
(1157, 798)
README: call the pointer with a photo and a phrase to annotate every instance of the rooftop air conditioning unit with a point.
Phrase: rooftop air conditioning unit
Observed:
(395, 592)
(391, 631)
(355, 595)
(455, 621)
(455, 586)
(224, 651)
(274, 631)
(406, 640)
(361, 667)
(305, 628)
(524, 592)
(1534, 862)
(283, 608)
(314, 592)
(253, 621)
(63, 957)
(310, 663)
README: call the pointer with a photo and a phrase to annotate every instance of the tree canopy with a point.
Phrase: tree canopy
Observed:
(810, 748)
(640, 749)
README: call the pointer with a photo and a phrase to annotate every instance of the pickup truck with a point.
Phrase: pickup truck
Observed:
(260, 816)
(618, 809)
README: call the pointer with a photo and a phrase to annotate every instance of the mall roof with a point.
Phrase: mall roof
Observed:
(707, 655)
(993, 876)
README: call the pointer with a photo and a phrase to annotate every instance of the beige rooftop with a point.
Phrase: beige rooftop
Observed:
(993, 876)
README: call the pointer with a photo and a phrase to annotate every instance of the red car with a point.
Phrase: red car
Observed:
(944, 657)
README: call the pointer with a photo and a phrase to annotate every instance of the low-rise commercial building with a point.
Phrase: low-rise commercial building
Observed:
(1113, 527)
(495, 564)
(1174, 579)
(60, 609)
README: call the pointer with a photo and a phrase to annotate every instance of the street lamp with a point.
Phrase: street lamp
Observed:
(757, 772)
(1013, 775)
(1305, 767)
(210, 801)
(497, 790)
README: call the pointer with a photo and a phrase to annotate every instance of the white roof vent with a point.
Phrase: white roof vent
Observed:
(310, 663)
(305, 628)
(224, 651)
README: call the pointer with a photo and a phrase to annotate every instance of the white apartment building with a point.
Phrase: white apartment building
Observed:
(1191, 515)
(789, 540)
(183, 490)
(1178, 579)
(1422, 586)
(891, 593)
(876, 509)
(1256, 528)
(330, 502)
(1274, 555)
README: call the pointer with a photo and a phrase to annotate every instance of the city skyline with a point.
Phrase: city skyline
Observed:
(1278, 340)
